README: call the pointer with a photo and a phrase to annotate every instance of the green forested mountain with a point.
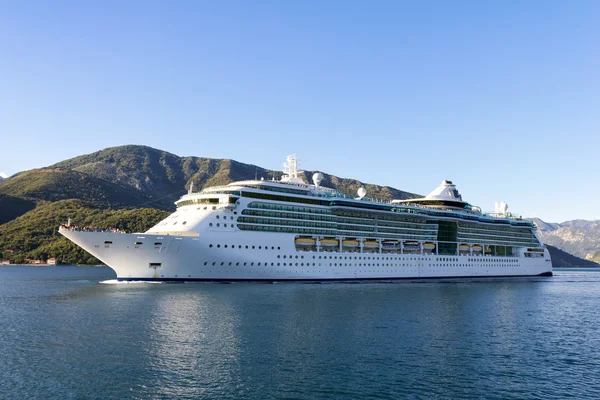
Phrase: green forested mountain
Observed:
(34, 234)
(11, 207)
(132, 188)
(158, 173)
(52, 184)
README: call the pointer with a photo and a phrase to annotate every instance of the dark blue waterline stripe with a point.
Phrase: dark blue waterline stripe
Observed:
(549, 273)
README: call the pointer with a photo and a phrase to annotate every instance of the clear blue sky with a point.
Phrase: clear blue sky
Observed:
(501, 97)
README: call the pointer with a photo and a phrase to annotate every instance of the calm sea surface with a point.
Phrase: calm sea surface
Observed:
(64, 335)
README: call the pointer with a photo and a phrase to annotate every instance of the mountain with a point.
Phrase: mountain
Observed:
(578, 237)
(163, 176)
(34, 234)
(53, 184)
(11, 207)
(562, 259)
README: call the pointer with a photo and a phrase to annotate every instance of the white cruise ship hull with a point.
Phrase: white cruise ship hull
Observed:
(258, 256)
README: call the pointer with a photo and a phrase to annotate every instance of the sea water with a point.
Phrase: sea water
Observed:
(65, 335)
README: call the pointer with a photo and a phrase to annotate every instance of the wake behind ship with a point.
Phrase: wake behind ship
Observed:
(261, 230)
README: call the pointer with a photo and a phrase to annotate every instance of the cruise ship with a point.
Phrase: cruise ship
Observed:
(290, 230)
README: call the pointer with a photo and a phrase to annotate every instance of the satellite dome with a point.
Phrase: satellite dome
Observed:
(317, 178)
(362, 192)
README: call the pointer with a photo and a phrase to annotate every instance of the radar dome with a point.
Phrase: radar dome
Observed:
(317, 178)
(362, 192)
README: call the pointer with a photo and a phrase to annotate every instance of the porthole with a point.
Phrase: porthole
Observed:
(259, 247)
(225, 246)
(217, 225)
(218, 217)
(222, 263)
(210, 245)
(210, 224)
(218, 246)
(184, 222)
(224, 225)
(214, 207)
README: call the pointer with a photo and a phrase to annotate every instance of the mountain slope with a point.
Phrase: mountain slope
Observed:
(52, 184)
(34, 234)
(163, 175)
(562, 259)
(11, 207)
(578, 237)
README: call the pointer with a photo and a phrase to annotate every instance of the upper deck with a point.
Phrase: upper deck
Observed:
(444, 202)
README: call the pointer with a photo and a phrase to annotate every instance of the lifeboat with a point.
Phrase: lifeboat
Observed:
(476, 247)
(411, 245)
(463, 247)
(390, 244)
(330, 242)
(370, 244)
(305, 241)
(429, 246)
(350, 243)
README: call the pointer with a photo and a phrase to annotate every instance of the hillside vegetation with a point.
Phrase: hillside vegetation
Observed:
(11, 207)
(53, 184)
(34, 235)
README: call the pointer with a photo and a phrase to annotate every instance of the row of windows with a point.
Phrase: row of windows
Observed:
(247, 247)
(507, 258)
(488, 232)
(301, 264)
(493, 228)
(337, 222)
(284, 207)
(501, 242)
(330, 232)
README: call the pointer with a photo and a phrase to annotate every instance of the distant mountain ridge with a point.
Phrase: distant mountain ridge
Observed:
(578, 237)
(164, 176)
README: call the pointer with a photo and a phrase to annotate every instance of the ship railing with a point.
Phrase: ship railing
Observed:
(76, 228)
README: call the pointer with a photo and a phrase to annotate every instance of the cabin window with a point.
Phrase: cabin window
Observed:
(107, 242)
(158, 244)
(138, 243)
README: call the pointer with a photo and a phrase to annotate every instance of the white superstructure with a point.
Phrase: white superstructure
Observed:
(290, 230)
